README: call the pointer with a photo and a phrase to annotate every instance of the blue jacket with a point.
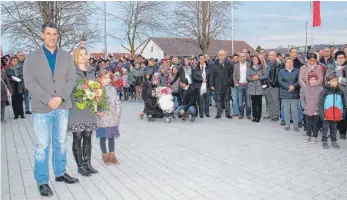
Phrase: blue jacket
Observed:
(285, 79)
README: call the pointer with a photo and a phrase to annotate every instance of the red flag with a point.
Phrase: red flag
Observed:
(316, 14)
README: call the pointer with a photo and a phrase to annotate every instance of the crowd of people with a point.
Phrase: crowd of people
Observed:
(301, 90)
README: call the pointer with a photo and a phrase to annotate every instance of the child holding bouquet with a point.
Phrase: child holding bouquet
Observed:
(108, 121)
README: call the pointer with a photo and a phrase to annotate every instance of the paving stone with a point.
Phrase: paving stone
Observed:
(206, 160)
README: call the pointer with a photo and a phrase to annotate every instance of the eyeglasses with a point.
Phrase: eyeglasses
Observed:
(340, 57)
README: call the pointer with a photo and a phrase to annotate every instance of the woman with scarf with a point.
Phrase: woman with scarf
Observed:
(164, 73)
(174, 87)
(15, 75)
(185, 71)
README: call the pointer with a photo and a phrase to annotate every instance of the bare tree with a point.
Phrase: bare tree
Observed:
(22, 21)
(138, 21)
(201, 22)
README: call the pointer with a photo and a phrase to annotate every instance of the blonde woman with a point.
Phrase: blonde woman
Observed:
(81, 123)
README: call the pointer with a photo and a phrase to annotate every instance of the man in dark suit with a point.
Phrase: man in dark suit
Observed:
(188, 101)
(221, 80)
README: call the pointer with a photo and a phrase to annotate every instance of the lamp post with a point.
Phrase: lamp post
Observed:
(306, 37)
(105, 34)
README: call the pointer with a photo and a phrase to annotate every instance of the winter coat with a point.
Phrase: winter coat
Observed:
(197, 76)
(151, 104)
(286, 79)
(309, 97)
(111, 116)
(131, 78)
(139, 74)
(5, 84)
(332, 104)
(273, 74)
(255, 86)
(174, 87)
(328, 62)
(339, 71)
(77, 116)
(189, 97)
(145, 87)
(297, 63)
(303, 75)
(181, 74)
(221, 78)
(17, 88)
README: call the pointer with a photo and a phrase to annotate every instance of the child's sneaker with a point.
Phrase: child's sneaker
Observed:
(307, 139)
(325, 145)
(335, 145)
(313, 140)
(113, 159)
(106, 158)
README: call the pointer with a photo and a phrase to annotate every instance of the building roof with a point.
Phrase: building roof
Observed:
(188, 47)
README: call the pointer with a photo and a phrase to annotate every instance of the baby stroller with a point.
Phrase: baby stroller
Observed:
(165, 103)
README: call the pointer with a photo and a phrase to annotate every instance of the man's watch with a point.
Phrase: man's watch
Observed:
(62, 99)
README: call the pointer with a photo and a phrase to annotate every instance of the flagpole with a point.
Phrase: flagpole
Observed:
(232, 27)
(311, 7)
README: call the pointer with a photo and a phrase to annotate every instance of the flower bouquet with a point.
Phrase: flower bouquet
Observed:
(89, 94)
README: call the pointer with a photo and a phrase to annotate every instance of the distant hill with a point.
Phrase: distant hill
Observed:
(319, 46)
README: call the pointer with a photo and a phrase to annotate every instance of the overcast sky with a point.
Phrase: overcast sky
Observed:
(269, 24)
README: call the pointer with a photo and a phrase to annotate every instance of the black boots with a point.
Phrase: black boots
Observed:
(77, 153)
(87, 152)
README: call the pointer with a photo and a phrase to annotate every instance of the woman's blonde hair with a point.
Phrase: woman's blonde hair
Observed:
(76, 53)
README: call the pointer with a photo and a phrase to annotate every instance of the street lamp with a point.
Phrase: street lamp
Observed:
(306, 37)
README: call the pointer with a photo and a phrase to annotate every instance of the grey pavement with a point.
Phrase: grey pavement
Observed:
(206, 160)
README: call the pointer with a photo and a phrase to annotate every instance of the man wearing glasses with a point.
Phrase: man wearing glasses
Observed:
(27, 97)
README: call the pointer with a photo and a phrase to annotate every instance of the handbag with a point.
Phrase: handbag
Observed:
(203, 88)
(264, 82)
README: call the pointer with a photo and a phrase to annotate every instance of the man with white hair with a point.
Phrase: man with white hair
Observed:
(272, 93)
(21, 57)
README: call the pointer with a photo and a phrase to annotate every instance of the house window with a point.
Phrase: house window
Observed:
(151, 49)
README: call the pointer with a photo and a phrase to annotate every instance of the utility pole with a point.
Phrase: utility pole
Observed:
(105, 34)
(306, 37)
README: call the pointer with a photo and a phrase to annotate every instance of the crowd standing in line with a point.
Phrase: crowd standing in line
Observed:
(307, 90)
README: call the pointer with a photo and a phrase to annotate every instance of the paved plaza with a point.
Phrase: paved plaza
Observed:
(206, 160)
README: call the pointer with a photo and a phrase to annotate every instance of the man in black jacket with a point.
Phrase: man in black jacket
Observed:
(221, 80)
(272, 93)
(201, 75)
(294, 56)
(188, 101)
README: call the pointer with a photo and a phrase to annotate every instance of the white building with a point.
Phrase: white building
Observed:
(161, 47)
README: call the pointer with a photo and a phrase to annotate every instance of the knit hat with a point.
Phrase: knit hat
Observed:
(312, 74)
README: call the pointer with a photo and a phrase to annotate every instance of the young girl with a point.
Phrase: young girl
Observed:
(145, 87)
(309, 101)
(108, 121)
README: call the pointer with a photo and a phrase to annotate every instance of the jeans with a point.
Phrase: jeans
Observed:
(299, 111)
(244, 98)
(27, 98)
(204, 103)
(175, 98)
(45, 125)
(332, 125)
(235, 96)
(312, 125)
(272, 95)
(290, 109)
(191, 111)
